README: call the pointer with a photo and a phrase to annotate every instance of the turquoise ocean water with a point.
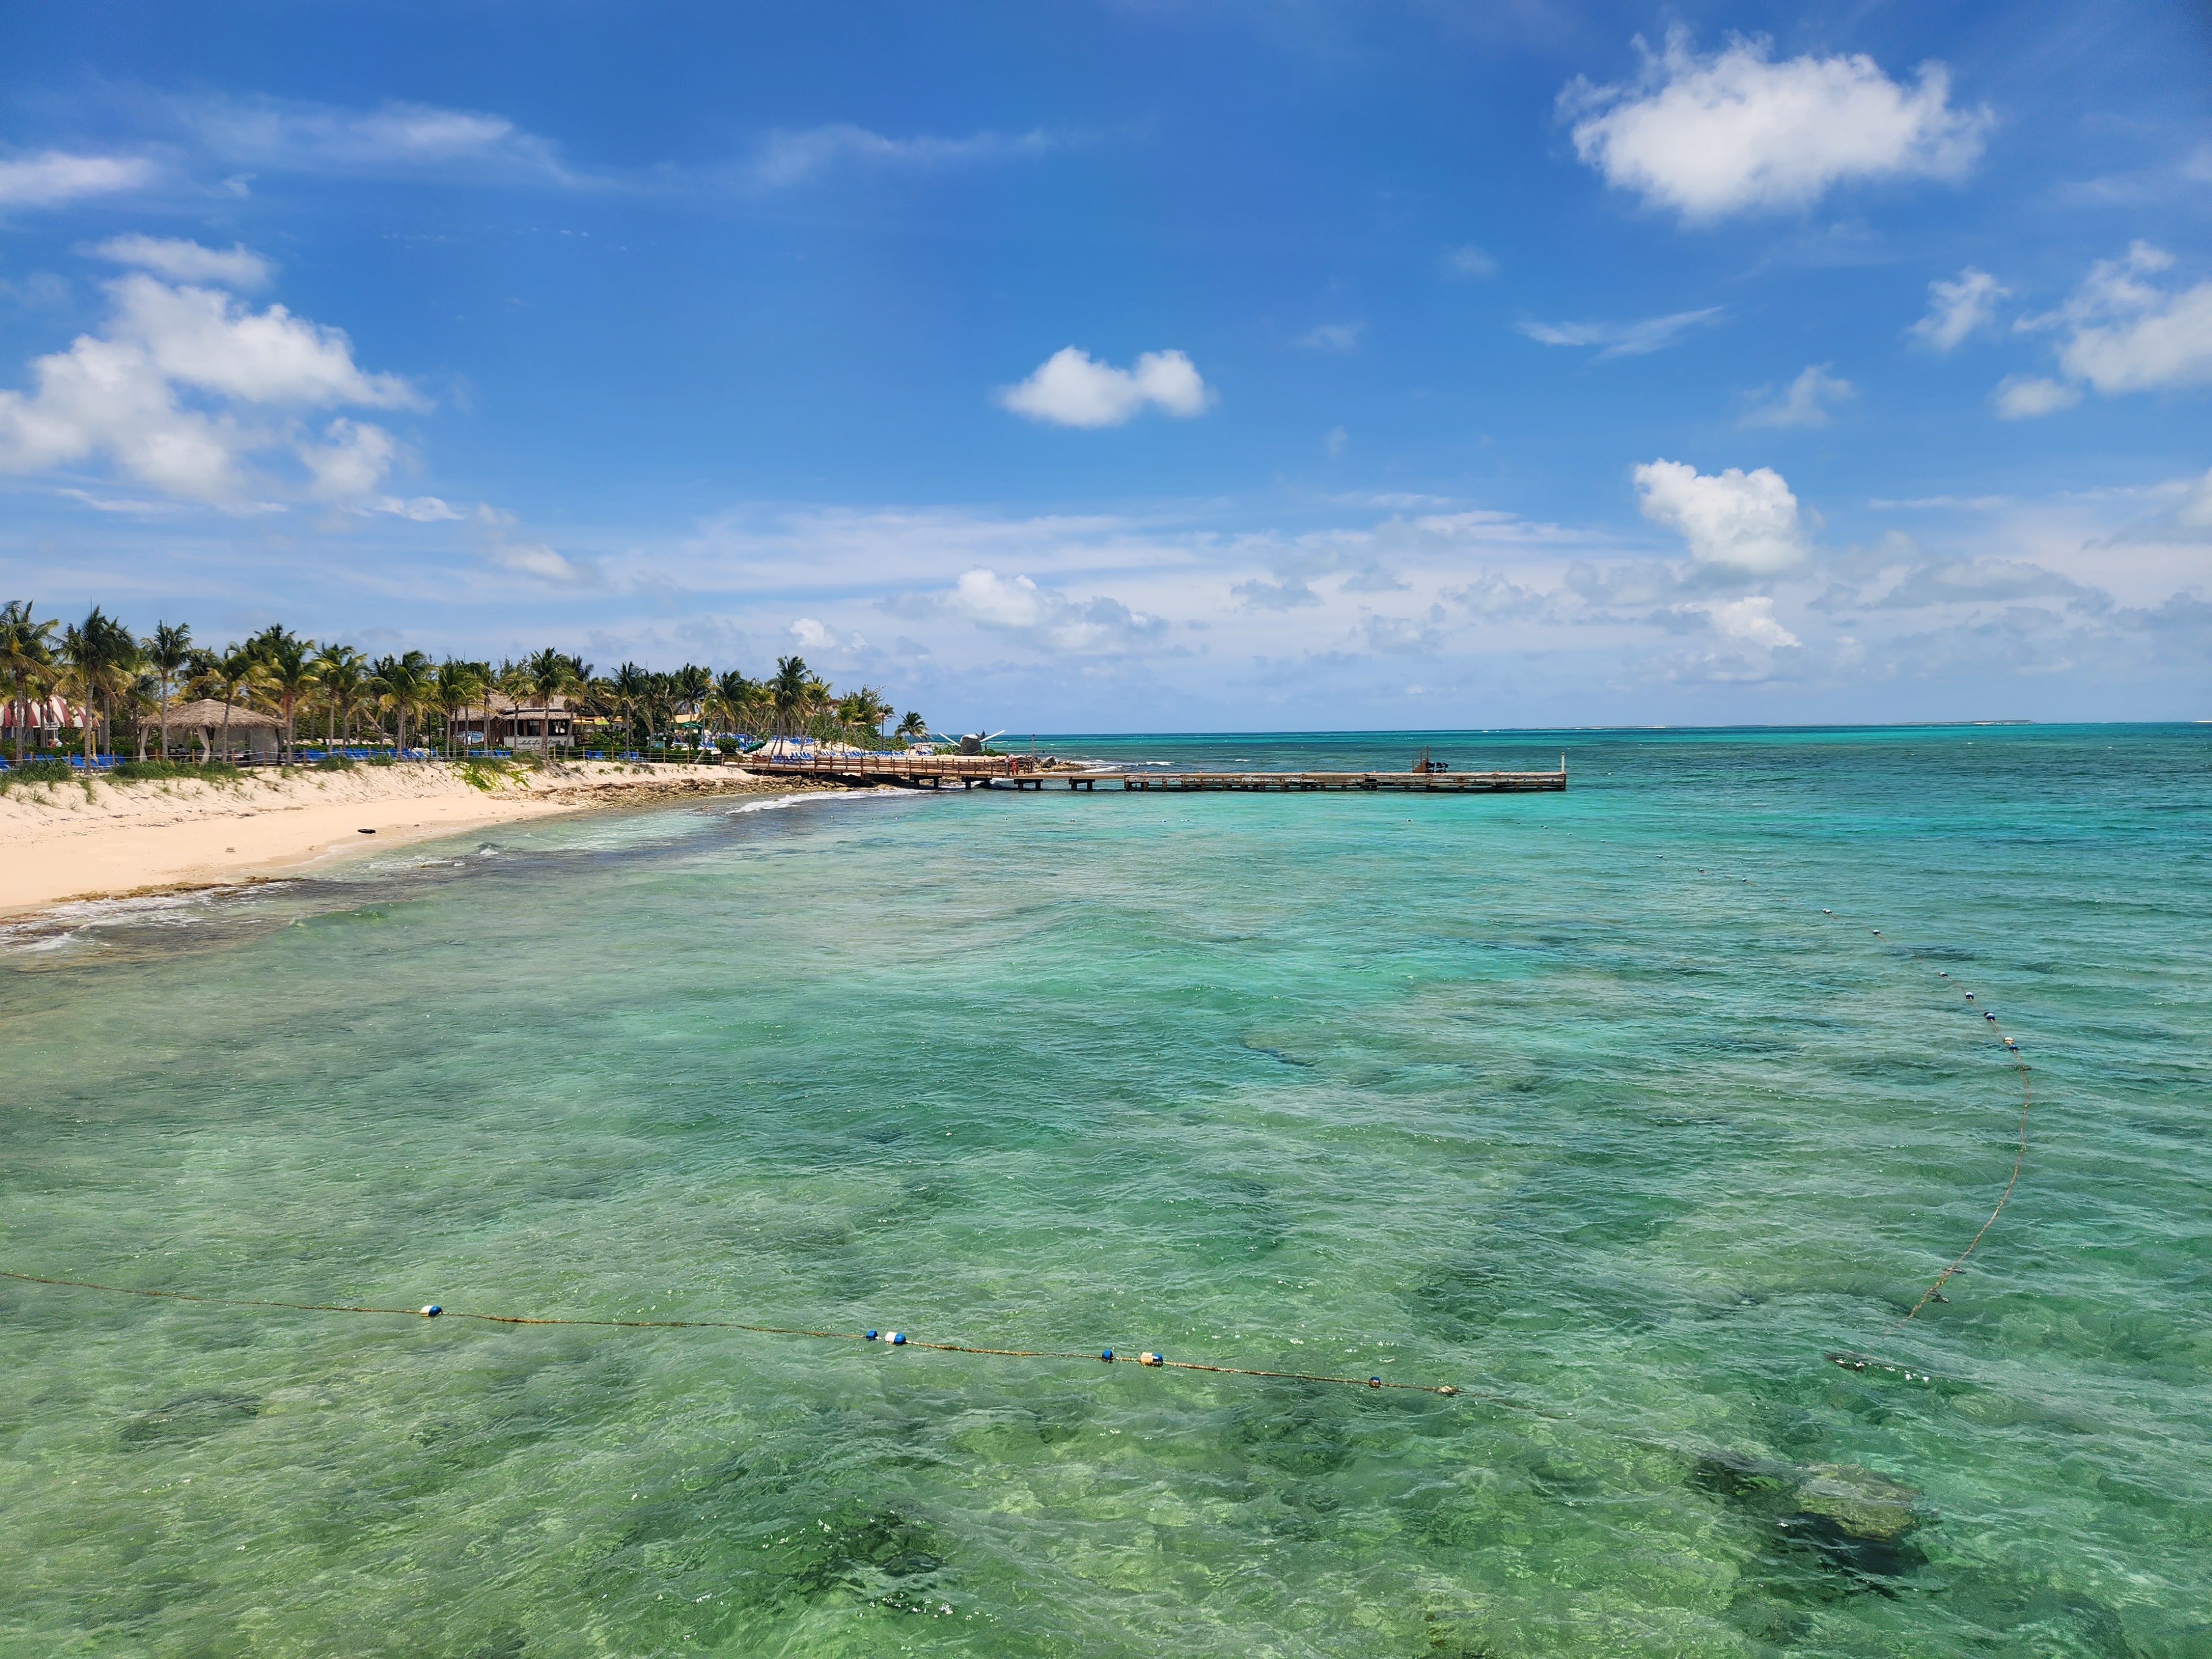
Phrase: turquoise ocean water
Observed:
(1533, 1095)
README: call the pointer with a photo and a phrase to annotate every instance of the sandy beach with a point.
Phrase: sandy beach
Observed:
(66, 841)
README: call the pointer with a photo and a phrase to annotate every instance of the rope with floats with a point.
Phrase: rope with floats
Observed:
(1148, 1359)
(1847, 1359)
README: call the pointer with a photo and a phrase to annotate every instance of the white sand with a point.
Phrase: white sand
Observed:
(61, 842)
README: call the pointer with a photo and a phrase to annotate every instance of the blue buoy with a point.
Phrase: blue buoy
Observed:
(870, 1335)
(1150, 1358)
(897, 1338)
(1374, 1381)
(1107, 1356)
(431, 1310)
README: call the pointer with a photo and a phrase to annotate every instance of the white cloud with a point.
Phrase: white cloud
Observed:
(204, 338)
(352, 463)
(174, 257)
(1045, 616)
(538, 560)
(1751, 620)
(286, 135)
(1957, 309)
(1804, 402)
(49, 179)
(416, 509)
(2125, 334)
(1072, 389)
(1621, 339)
(791, 158)
(1469, 261)
(1333, 336)
(1336, 441)
(2196, 509)
(1745, 522)
(2022, 396)
(814, 635)
(126, 393)
(1737, 133)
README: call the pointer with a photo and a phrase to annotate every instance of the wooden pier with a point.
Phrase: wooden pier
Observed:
(1020, 772)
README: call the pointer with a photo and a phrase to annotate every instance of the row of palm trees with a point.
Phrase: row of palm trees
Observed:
(100, 667)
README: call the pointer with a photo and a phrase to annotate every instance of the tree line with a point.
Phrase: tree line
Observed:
(100, 667)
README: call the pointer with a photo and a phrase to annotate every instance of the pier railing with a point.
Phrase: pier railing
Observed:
(1022, 772)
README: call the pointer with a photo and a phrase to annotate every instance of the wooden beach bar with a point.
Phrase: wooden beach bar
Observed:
(1025, 772)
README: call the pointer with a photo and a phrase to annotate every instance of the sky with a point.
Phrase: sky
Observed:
(1139, 365)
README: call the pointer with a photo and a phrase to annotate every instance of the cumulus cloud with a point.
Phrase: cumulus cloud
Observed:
(1957, 309)
(49, 179)
(791, 158)
(1743, 522)
(815, 634)
(180, 387)
(1045, 616)
(352, 461)
(1751, 620)
(2024, 396)
(1070, 388)
(1804, 402)
(183, 261)
(1737, 133)
(1621, 339)
(2124, 333)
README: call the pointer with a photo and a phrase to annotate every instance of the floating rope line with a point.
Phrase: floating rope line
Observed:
(895, 1339)
(1859, 1361)
(1847, 1359)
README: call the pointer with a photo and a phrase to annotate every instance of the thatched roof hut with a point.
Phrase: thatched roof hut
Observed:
(206, 711)
(251, 732)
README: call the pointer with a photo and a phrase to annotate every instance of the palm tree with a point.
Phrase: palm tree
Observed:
(633, 692)
(551, 674)
(734, 698)
(168, 650)
(789, 692)
(456, 685)
(27, 657)
(144, 696)
(343, 673)
(291, 672)
(912, 727)
(403, 684)
(234, 676)
(99, 655)
(688, 689)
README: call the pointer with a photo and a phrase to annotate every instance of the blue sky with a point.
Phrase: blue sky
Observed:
(1139, 366)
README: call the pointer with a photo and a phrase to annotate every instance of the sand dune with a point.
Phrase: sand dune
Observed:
(67, 841)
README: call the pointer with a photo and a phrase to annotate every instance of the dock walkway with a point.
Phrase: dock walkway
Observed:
(1019, 771)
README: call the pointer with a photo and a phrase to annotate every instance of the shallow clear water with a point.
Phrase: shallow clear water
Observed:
(1533, 1095)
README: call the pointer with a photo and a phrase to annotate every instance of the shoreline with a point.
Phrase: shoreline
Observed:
(66, 843)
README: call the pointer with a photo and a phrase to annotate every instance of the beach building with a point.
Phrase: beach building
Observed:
(39, 722)
(506, 723)
(223, 731)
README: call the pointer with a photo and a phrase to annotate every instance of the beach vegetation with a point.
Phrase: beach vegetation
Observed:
(96, 685)
(39, 772)
(161, 769)
(336, 763)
